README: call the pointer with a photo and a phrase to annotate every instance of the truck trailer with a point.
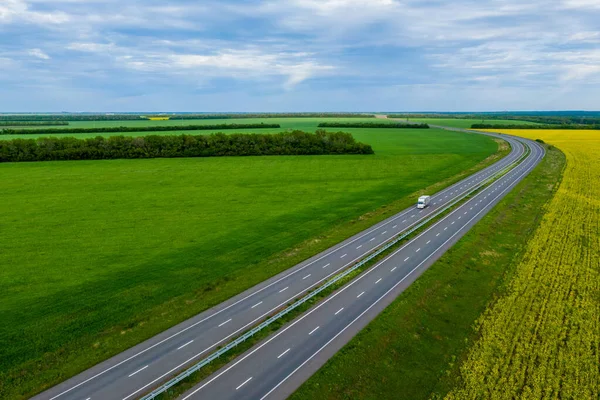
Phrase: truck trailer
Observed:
(423, 201)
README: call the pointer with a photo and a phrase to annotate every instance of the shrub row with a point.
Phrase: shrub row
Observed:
(154, 146)
(557, 118)
(517, 126)
(371, 125)
(137, 117)
(33, 123)
(139, 129)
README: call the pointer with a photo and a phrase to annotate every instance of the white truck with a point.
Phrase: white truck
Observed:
(423, 201)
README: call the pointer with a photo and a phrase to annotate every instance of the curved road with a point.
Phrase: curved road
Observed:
(139, 369)
(279, 365)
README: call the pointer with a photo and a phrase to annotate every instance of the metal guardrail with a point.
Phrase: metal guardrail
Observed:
(166, 386)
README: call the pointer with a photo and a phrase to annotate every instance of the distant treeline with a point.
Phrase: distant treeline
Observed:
(371, 125)
(33, 123)
(529, 126)
(167, 146)
(119, 129)
(560, 118)
(138, 117)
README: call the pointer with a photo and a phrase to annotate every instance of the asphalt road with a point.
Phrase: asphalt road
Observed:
(277, 366)
(137, 370)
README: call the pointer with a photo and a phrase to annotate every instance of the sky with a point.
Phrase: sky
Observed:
(299, 55)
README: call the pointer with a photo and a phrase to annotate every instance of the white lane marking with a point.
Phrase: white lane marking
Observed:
(183, 345)
(338, 311)
(282, 354)
(243, 383)
(429, 241)
(420, 211)
(306, 276)
(445, 228)
(313, 331)
(361, 293)
(404, 221)
(139, 370)
(284, 289)
(452, 223)
(434, 204)
(384, 232)
(459, 217)
(223, 323)
(418, 250)
(406, 259)
(378, 280)
(412, 216)
(359, 247)
(393, 269)
(325, 266)
(344, 255)
(465, 212)
(257, 304)
(437, 234)
(371, 240)
(394, 227)
(471, 208)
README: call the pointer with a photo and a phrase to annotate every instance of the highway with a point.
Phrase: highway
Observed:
(276, 367)
(143, 367)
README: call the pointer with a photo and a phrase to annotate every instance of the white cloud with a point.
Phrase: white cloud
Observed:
(39, 54)
(19, 11)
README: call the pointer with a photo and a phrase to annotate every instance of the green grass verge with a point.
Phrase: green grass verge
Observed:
(100, 255)
(413, 349)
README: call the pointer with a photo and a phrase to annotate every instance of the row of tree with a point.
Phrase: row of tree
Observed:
(371, 125)
(531, 126)
(558, 117)
(164, 128)
(33, 123)
(166, 146)
(137, 117)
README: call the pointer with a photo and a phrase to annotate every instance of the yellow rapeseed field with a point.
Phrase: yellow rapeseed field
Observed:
(541, 340)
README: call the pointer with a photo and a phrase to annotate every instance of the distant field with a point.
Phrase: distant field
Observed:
(466, 123)
(99, 255)
(306, 124)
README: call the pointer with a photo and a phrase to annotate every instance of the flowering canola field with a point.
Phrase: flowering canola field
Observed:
(541, 340)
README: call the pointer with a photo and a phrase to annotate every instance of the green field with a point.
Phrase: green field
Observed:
(413, 349)
(99, 255)
(306, 124)
(466, 123)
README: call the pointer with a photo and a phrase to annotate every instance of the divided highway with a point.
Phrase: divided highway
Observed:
(278, 366)
(143, 367)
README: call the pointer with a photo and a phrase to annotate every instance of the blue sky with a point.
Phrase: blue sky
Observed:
(299, 55)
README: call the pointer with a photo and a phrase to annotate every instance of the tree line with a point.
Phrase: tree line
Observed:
(138, 117)
(530, 126)
(168, 146)
(33, 123)
(546, 118)
(371, 125)
(164, 128)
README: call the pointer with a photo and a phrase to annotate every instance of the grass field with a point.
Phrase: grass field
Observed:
(99, 255)
(466, 123)
(411, 349)
(542, 339)
(306, 124)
